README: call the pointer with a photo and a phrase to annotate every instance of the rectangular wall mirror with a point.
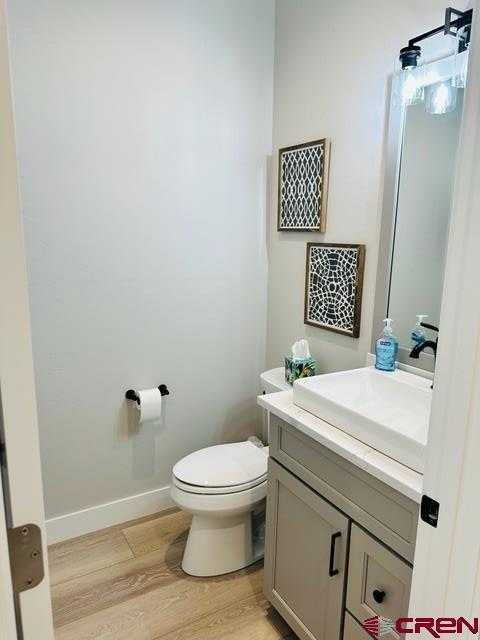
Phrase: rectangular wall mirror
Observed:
(422, 148)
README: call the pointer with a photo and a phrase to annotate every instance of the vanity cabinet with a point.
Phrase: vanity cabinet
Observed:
(339, 543)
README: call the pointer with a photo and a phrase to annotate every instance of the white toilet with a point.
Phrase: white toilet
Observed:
(224, 487)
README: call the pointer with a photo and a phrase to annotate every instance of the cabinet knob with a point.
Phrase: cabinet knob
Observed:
(379, 596)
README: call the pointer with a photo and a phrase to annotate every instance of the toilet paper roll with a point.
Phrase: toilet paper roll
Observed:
(150, 405)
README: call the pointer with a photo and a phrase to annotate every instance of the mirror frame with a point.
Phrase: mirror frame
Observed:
(393, 151)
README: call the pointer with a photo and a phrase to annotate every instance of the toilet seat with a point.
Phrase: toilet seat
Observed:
(222, 469)
(215, 491)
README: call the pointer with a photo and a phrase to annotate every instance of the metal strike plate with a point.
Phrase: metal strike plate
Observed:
(26, 560)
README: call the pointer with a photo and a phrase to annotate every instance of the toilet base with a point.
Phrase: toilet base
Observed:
(220, 545)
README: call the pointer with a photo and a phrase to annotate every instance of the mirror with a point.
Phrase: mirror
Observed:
(418, 201)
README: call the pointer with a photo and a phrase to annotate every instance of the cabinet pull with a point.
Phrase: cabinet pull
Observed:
(331, 571)
(379, 596)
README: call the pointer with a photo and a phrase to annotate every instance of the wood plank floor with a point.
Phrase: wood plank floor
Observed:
(126, 583)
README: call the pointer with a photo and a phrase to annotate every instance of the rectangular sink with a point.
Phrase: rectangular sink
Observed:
(388, 411)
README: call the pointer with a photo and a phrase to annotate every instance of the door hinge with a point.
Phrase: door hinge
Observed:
(429, 511)
(26, 557)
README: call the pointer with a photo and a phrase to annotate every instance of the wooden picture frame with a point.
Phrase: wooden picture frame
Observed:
(303, 186)
(333, 287)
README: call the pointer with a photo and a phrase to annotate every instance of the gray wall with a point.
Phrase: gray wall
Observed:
(143, 132)
(333, 62)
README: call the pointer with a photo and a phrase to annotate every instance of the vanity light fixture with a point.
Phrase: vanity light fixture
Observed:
(441, 98)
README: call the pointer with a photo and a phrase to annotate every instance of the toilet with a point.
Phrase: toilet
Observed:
(224, 487)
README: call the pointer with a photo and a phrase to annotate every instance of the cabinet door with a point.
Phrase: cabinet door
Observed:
(306, 545)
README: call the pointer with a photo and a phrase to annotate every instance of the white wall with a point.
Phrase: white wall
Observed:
(332, 67)
(143, 132)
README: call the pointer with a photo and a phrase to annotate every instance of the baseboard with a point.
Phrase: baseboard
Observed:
(78, 523)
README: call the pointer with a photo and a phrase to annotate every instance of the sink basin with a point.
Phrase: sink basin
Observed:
(388, 411)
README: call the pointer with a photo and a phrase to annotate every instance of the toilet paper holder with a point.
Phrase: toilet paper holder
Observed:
(133, 395)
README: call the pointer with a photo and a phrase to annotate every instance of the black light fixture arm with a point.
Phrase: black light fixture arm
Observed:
(454, 21)
(464, 19)
(449, 27)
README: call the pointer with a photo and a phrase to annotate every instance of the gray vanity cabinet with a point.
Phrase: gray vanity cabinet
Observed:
(306, 556)
(339, 543)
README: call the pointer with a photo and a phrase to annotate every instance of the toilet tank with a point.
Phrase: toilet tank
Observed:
(270, 382)
(273, 380)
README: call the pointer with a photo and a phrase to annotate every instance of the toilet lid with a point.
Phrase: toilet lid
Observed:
(224, 465)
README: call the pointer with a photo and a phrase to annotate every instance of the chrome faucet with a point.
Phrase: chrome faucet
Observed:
(427, 344)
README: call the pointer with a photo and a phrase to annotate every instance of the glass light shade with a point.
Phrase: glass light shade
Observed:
(460, 69)
(441, 98)
(412, 89)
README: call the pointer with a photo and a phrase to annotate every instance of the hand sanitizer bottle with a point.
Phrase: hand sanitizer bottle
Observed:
(386, 348)
(418, 332)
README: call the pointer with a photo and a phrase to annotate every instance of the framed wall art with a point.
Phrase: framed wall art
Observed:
(302, 186)
(333, 287)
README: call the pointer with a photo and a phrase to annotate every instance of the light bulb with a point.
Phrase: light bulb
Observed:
(412, 86)
(441, 98)
(460, 63)
(460, 69)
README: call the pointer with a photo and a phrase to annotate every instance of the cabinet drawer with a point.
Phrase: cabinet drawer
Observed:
(378, 580)
(377, 507)
(353, 631)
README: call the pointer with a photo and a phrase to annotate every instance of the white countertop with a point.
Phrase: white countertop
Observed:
(392, 473)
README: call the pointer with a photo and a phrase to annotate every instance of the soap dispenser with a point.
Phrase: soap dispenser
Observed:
(386, 348)
(418, 332)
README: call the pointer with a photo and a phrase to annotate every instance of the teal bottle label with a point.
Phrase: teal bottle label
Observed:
(386, 354)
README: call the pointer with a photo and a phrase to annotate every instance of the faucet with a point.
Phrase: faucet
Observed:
(427, 344)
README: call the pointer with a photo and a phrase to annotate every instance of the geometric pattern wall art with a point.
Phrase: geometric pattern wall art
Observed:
(302, 186)
(333, 287)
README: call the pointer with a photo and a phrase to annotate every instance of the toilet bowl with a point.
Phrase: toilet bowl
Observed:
(224, 487)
